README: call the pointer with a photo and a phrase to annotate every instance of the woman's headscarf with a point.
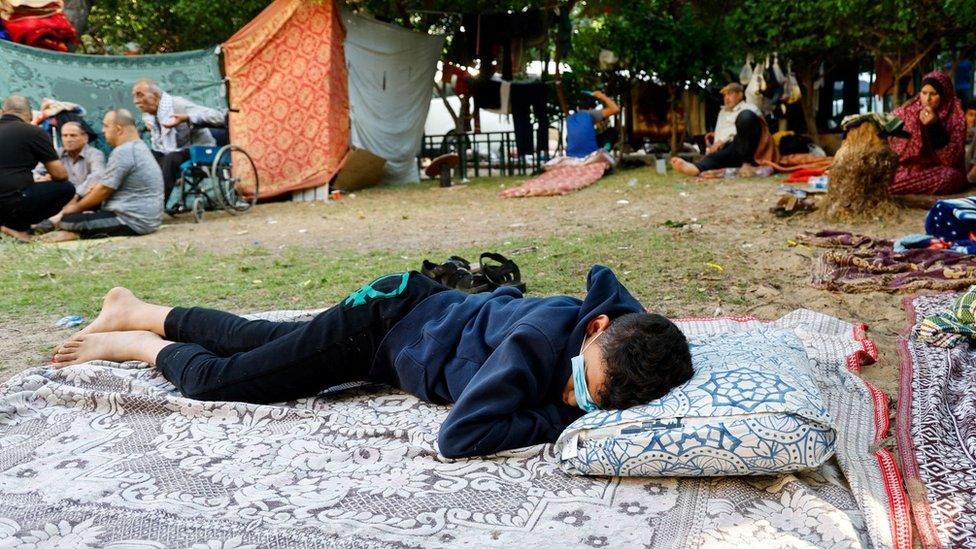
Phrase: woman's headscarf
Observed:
(951, 116)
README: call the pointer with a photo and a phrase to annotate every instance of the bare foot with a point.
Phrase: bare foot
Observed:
(685, 167)
(113, 346)
(19, 235)
(116, 315)
(60, 236)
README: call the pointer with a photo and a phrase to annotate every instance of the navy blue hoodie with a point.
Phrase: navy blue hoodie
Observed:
(502, 359)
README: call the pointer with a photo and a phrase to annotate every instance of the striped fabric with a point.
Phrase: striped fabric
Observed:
(950, 329)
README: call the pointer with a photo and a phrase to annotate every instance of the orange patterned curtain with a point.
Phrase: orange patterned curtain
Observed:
(288, 78)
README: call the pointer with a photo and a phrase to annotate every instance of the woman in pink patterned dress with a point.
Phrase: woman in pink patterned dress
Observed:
(931, 160)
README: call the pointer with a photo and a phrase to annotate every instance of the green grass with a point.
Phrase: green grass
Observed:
(660, 266)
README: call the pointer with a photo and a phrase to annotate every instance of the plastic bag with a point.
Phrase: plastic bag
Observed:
(754, 89)
(745, 75)
(777, 71)
(791, 88)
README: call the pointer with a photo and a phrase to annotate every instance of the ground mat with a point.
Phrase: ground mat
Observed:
(108, 455)
(936, 430)
(857, 263)
(558, 181)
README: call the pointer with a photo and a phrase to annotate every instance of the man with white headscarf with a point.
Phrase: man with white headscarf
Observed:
(174, 124)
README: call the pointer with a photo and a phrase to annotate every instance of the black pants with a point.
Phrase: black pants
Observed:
(523, 98)
(742, 148)
(221, 356)
(34, 204)
(170, 163)
(98, 224)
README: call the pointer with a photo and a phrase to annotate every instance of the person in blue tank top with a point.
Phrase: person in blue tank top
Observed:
(581, 135)
(518, 370)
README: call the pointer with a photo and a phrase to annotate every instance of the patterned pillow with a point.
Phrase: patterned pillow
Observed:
(752, 408)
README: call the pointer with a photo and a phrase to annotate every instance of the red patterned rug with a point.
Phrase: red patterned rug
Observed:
(557, 181)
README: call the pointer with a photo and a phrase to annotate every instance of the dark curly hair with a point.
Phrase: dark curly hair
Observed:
(646, 356)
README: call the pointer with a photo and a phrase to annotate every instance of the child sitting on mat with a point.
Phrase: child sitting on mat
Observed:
(518, 370)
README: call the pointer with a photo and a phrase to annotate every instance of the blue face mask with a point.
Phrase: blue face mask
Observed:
(583, 399)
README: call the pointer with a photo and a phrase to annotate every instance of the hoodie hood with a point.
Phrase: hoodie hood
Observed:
(605, 295)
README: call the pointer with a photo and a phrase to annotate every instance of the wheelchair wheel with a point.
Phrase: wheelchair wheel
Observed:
(235, 179)
(198, 209)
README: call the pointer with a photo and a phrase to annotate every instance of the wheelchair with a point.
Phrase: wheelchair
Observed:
(215, 177)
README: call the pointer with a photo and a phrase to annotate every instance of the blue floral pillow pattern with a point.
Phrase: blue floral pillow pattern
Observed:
(752, 408)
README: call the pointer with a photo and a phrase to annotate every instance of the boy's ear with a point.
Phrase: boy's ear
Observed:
(598, 323)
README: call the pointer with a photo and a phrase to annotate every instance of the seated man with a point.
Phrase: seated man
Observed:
(22, 145)
(738, 130)
(581, 135)
(733, 102)
(174, 124)
(84, 163)
(518, 371)
(128, 198)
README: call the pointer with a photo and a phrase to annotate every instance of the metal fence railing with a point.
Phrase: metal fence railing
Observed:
(484, 154)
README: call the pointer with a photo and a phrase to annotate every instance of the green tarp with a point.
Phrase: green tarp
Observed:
(99, 83)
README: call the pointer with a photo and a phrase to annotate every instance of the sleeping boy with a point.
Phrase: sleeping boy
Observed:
(518, 370)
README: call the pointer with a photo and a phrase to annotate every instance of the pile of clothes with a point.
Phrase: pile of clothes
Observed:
(949, 225)
(37, 23)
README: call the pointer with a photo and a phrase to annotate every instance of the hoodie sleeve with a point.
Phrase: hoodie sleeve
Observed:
(501, 407)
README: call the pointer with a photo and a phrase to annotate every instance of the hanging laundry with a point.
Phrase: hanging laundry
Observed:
(526, 97)
(459, 76)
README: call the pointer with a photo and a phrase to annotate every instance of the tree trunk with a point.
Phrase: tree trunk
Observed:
(77, 12)
(863, 169)
(673, 116)
(806, 77)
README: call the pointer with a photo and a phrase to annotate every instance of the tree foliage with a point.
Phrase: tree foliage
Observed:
(159, 26)
(668, 42)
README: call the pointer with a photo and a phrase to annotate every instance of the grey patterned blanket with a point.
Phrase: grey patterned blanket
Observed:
(937, 431)
(108, 455)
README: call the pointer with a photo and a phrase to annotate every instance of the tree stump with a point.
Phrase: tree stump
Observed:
(863, 169)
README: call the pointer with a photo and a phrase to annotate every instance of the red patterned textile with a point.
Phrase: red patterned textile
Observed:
(52, 32)
(557, 181)
(922, 170)
(288, 79)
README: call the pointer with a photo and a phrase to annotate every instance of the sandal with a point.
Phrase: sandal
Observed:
(505, 273)
(441, 273)
(456, 273)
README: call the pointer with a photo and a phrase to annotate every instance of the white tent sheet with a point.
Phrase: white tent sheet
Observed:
(391, 81)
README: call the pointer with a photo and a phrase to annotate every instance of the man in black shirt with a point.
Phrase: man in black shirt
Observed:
(22, 145)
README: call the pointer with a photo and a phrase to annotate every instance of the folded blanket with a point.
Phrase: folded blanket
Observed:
(53, 32)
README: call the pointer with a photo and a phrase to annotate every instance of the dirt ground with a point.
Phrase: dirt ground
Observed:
(733, 214)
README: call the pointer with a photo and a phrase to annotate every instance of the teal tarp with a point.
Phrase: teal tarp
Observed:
(102, 82)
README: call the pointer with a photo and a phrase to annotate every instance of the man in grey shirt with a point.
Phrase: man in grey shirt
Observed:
(129, 196)
(84, 163)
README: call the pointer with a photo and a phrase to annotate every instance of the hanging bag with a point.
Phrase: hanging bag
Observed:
(745, 75)
(771, 85)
